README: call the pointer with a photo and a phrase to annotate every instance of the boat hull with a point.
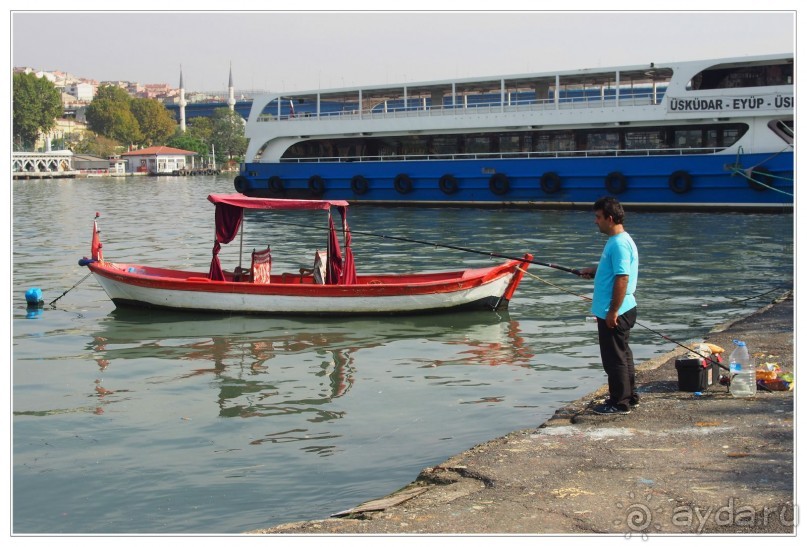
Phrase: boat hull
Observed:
(141, 286)
(716, 182)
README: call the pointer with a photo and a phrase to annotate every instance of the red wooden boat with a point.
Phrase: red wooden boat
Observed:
(331, 287)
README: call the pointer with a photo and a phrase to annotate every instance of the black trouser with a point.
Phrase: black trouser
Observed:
(617, 358)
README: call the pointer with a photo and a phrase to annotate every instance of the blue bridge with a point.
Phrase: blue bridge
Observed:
(195, 110)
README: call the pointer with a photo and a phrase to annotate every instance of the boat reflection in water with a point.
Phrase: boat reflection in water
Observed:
(266, 367)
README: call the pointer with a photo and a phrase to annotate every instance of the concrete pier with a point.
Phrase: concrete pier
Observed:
(679, 463)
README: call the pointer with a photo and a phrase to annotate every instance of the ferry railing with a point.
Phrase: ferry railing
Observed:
(510, 155)
(419, 110)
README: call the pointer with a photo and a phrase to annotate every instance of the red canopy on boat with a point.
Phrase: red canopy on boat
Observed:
(245, 202)
(230, 212)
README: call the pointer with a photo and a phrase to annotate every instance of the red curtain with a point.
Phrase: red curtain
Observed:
(228, 221)
(333, 271)
(349, 265)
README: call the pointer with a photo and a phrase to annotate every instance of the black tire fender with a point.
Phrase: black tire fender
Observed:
(240, 184)
(760, 175)
(276, 184)
(499, 184)
(448, 184)
(550, 182)
(316, 185)
(616, 183)
(403, 184)
(359, 185)
(680, 182)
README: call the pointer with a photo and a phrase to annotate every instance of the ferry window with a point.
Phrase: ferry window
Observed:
(783, 128)
(563, 141)
(644, 139)
(477, 144)
(541, 142)
(746, 76)
(346, 148)
(294, 151)
(553, 141)
(712, 138)
(606, 140)
(370, 147)
(445, 144)
(414, 145)
(387, 147)
(511, 143)
(730, 136)
(688, 138)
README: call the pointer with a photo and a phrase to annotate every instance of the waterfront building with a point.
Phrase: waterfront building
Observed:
(158, 160)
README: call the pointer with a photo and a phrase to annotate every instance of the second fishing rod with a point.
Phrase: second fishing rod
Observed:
(442, 245)
(566, 269)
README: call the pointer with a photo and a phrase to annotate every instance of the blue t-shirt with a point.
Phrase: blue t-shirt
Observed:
(619, 257)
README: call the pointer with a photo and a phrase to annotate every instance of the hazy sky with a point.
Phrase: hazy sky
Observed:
(283, 51)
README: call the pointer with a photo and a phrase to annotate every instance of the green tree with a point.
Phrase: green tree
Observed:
(109, 114)
(36, 105)
(200, 128)
(228, 134)
(114, 94)
(156, 123)
(98, 145)
(185, 141)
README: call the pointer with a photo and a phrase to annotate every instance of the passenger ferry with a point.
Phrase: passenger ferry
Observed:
(713, 134)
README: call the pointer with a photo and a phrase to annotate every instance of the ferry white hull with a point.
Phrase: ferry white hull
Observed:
(646, 134)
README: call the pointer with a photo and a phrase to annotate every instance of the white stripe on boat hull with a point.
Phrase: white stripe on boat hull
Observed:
(271, 304)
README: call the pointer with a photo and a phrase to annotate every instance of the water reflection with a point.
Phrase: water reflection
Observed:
(264, 367)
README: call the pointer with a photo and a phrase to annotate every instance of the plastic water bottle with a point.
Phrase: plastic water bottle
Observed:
(743, 375)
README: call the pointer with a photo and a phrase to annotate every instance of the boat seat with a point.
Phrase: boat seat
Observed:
(318, 271)
(261, 269)
(241, 274)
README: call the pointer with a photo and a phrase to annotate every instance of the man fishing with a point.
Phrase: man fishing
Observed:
(614, 305)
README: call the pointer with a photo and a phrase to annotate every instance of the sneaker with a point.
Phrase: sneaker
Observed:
(608, 409)
(634, 402)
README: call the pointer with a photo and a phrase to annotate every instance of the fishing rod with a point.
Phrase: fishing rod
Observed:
(445, 246)
(693, 350)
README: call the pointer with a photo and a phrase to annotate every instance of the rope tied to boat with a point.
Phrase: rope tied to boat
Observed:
(737, 169)
(745, 174)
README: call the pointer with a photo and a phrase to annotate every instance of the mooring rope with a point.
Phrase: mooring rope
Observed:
(741, 172)
(70, 289)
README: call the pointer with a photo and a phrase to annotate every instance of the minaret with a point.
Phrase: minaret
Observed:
(182, 102)
(231, 89)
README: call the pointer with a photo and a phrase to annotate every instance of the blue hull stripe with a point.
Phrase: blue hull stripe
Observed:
(714, 180)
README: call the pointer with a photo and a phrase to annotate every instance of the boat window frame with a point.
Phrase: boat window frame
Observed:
(534, 143)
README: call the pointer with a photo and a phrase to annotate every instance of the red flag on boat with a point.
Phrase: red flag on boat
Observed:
(95, 246)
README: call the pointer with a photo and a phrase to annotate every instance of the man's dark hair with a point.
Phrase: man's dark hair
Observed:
(610, 207)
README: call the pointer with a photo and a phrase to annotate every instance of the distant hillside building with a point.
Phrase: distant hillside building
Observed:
(82, 91)
(158, 160)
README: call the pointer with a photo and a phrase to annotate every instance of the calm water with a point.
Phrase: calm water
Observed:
(141, 422)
